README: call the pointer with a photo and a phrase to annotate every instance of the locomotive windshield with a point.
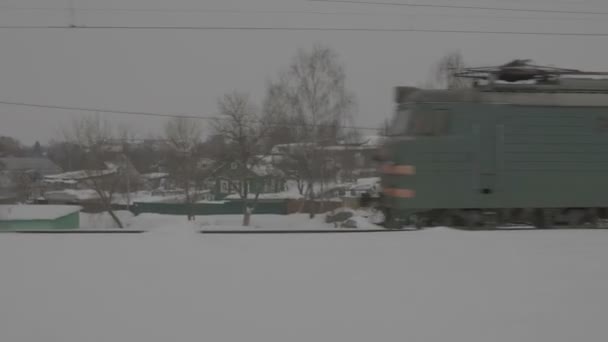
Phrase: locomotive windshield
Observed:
(399, 126)
(420, 123)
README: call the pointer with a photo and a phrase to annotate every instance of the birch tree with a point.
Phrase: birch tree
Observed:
(244, 132)
(445, 69)
(25, 182)
(316, 104)
(93, 135)
(183, 136)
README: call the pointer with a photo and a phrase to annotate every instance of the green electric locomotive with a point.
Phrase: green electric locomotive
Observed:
(522, 144)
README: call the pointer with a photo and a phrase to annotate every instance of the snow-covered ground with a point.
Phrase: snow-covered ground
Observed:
(431, 285)
(210, 222)
(266, 222)
(103, 220)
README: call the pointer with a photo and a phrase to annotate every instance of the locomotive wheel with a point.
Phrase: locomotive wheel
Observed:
(575, 217)
(594, 218)
(448, 221)
(542, 218)
(449, 218)
(390, 221)
(473, 219)
(538, 219)
(411, 220)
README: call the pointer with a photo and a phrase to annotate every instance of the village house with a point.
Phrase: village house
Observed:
(75, 187)
(20, 177)
(345, 161)
(355, 159)
(264, 178)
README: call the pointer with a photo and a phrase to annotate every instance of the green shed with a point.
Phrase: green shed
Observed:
(39, 217)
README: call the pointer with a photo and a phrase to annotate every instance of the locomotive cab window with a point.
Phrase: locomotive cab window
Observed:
(429, 123)
(399, 125)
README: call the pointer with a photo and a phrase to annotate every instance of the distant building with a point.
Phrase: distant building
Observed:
(84, 197)
(42, 166)
(78, 179)
(346, 160)
(356, 159)
(75, 179)
(264, 178)
(81, 187)
(35, 168)
(154, 180)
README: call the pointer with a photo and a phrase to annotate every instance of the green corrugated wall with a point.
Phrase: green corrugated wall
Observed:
(70, 221)
(278, 207)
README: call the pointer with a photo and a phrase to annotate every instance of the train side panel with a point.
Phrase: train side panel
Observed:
(503, 156)
(551, 157)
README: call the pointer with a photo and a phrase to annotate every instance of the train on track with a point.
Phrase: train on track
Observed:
(523, 144)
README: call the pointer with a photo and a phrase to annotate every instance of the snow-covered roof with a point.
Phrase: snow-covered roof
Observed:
(78, 175)
(35, 212)
(261, 169)
(206, 162)
(369, 180)
(42, 165)
(282, 148)
(346, 148)
(211, 202)
(113, 165)
(373, 140)
(60, 181)
(366, 184)
(266, 169)
(158, 199)
(268, 159)
(154, 175)
(149, 197)
(366, 143)
(340, 186)
(71, 195)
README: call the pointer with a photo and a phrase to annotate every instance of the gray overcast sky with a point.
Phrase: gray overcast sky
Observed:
(186, 71)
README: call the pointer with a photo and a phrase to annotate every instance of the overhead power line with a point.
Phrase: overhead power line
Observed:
(328, 13)
(162, 115)
(247, 11)
(467, 7)
(303, 29)
(177, 10)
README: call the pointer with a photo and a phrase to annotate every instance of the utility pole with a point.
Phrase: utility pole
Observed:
(71, 14)
(128, 181)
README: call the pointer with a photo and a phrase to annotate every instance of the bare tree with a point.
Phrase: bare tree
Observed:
(10, 147)
(385, 128)
(93, 135)
(244, 131)
(311, 96)
(67, 155)
(277, 109)
(444, 71)
(183, 136)
(25, 182)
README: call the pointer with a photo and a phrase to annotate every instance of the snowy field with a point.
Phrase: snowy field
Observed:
(211, 222)
(430, 285)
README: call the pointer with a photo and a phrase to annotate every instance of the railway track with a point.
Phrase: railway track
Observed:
(309, 231)
(302, 231)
